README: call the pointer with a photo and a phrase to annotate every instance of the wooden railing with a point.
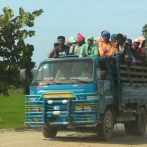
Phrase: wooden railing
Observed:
(134, 73)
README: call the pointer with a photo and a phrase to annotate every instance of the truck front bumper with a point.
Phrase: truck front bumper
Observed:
(69, 112)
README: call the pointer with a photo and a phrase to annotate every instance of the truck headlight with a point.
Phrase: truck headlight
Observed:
(77, 108)
(32, 99)
(82, 108)
(35, 109)
(87, 108)
(35, 119)
(56, 108)
(88, 118)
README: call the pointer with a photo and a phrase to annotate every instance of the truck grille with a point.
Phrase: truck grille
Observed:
(34, 113)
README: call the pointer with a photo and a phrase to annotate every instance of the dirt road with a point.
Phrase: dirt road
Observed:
(34, 138)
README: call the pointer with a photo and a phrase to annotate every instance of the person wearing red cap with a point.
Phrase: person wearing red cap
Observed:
(80, 37)
(76, 48)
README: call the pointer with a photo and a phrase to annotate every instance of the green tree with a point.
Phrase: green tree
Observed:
(15, 54)
(144, 32)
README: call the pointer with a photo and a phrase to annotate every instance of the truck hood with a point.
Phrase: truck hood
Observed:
(73, 90)
(76, 88)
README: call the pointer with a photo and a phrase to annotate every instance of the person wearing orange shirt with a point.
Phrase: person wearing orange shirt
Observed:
(106, 48)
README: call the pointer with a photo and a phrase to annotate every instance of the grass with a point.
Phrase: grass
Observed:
(12, 110)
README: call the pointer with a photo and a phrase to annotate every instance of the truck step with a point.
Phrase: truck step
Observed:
(123, 119)
(126, 111)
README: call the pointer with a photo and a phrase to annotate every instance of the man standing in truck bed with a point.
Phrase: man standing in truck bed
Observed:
(106, 48)
(62, 49)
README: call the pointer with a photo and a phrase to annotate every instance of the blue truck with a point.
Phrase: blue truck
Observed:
(88, 94)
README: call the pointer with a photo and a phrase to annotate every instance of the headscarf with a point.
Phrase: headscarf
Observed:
(66, 41)
(97, 38)
(106, 34)
(91, 38)
(103, 31)
(141, 40)
(72, 40)
(80, 37)
(101, 39)
(136, 40)
(112, 36)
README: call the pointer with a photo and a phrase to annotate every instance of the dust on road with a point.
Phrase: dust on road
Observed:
(34, 138)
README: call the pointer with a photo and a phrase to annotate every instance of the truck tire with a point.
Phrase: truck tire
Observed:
(105, 128)
(129, 128)
(141, 122)
(49, 132)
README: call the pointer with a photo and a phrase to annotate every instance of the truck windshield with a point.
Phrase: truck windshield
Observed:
(65, 72)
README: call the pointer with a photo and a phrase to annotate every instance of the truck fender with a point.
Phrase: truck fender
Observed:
(143, 105)
(111, 108)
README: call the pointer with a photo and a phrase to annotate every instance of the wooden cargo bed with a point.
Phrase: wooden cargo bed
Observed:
(133, 73)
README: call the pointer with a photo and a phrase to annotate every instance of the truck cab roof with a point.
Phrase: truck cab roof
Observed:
(68, 57)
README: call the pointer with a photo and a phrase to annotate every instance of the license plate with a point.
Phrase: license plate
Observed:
(56, 108)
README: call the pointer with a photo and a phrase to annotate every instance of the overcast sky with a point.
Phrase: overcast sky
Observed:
(89, 17)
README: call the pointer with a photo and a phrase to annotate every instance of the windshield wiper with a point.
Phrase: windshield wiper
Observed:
(40, 83)
(64, 82)
(36, 83)
(81, 81)
(61, 82)
(84, 81)
(57, 82)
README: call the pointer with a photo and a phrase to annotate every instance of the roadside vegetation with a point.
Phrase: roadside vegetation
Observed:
(15, 54)
(12, 110)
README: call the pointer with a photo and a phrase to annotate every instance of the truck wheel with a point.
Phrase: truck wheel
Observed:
(129, 128)
(141, 122)
(49, 132)
(105, 129)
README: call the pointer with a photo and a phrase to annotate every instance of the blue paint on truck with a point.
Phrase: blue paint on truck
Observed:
(84, 92)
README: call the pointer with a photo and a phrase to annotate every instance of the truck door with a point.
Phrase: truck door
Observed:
(105, 86)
